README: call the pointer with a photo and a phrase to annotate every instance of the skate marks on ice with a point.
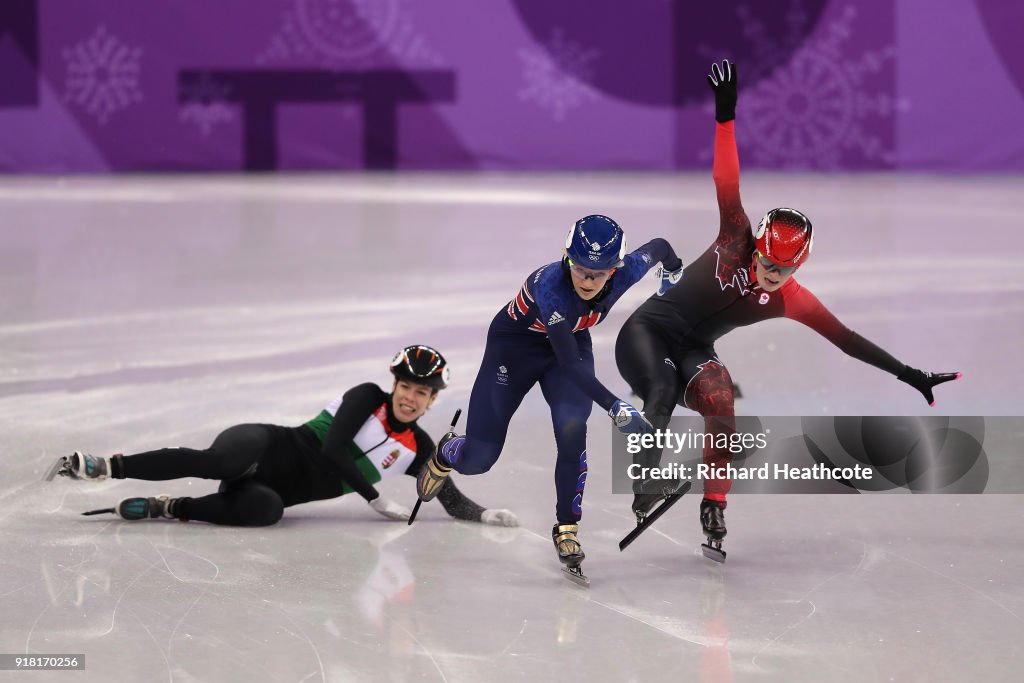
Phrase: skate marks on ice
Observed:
(957, 583)
(101, 351)
(156, 600)
(760, 612)
(771, 644)
(802, 574)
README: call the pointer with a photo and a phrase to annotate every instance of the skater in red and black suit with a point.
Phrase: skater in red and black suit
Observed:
(666, 349)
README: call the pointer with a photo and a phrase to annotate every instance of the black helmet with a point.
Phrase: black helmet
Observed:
(421, 364)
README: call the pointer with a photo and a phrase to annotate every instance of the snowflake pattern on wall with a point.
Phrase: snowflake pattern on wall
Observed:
(814, 110)
(206, 104)
(348, 34)
(557, 75)
(102, 74)
(767, 49)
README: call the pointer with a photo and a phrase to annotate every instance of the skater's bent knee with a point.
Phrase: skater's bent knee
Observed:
(464, 467)
(268, 512)
(254, 504)
(478, 458)
(269, 517)
(661, 402)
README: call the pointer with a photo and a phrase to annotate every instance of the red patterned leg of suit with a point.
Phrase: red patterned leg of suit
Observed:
(710, 393)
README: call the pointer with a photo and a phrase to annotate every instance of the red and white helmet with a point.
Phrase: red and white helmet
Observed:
(785, 237)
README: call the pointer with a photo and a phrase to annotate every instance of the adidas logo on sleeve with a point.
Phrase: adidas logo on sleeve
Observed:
(556, 318)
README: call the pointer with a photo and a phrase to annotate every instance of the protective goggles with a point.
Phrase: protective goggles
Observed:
(588, 274)
(773, 267)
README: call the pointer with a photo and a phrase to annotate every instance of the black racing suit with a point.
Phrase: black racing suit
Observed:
(265, 468)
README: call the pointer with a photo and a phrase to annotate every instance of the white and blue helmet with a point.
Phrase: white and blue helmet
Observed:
(596, 242)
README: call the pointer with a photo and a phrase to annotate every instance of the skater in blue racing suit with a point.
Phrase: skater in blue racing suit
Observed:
(542, 336)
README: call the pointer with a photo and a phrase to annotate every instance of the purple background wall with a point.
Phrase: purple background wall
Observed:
(117, 85)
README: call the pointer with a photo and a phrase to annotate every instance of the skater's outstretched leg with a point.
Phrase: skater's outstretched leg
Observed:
(233, 455)
(570, 409)
(87, 467)
(241, 503)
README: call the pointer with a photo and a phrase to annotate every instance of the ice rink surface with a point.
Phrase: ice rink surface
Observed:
(156, 311)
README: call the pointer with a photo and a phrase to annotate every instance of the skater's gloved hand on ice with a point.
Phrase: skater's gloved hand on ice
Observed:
(669, 278)
(499, 517)
(723, 83)
(629, 420)
(390, 509)
(924, 381)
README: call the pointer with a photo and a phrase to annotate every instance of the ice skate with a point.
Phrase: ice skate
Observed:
(138, 508)
(654, 491)
(81, 466)
(570, 553)
(651, 493)
(142, 508)
(432, 477)
(712, 519)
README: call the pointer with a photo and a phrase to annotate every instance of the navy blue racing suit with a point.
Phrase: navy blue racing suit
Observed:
(542, 336)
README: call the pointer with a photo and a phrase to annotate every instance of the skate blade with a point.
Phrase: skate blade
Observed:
(576, 575)
(101, 511)
(51, 472)
(712, 553)
(415, 511)
(651, 518)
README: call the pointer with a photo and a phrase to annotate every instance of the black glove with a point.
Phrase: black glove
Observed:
(924, 381)
(723, 82)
